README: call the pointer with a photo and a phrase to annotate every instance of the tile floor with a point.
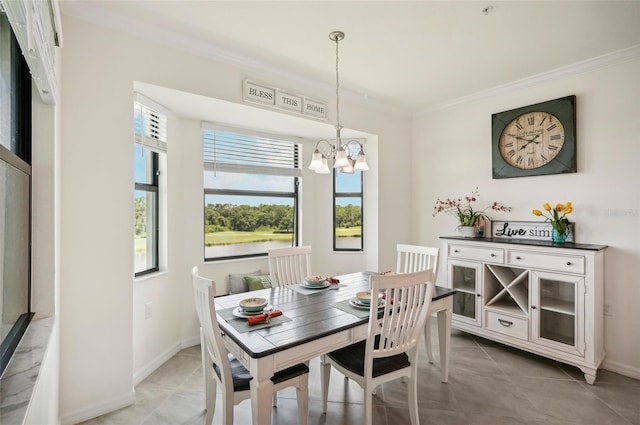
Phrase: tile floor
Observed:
(489, 384)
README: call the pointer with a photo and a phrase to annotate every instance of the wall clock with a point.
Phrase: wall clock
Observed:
(535, 140)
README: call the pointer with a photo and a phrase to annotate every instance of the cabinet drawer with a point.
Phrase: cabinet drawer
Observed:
(507, 325)
(561, 263)
(489, 255)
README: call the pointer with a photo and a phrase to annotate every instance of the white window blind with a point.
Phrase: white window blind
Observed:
(149, 128)
(240, 151)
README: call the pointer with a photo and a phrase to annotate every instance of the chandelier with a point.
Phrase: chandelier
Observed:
(341, 154)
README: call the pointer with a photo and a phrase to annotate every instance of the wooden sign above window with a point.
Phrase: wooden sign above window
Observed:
(283, 100)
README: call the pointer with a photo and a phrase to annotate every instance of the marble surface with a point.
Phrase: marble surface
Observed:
(19, 379)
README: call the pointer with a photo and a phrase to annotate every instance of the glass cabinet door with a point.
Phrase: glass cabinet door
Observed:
(558, 301)
(464, 278)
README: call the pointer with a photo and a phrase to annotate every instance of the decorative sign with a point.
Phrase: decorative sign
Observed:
(258, 93)
(289, 102)
(536, 230)
(317, 109)
(279, 99)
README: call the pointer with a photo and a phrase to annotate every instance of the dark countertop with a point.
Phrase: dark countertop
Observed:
(530, 242)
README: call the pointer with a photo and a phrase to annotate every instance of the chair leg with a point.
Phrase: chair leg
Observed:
(413, 398)
(427, 339)
(325, 374)
(368, 405)
(209, 383)
(302, 394)
(227, 409)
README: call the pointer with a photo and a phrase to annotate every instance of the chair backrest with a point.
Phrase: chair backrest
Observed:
(406, 304)
(203, 293)
(288, 266)
(414, 258)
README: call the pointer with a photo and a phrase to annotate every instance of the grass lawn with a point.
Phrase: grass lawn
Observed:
(349, 232)
(227, 238)
(140, 244)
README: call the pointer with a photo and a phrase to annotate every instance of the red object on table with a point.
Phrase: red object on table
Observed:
(334, 280)
(260, 318)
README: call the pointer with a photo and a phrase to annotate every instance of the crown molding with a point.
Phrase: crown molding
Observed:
(588, 65)
(256, 69)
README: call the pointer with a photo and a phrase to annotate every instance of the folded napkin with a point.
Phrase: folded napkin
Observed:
(264, 317)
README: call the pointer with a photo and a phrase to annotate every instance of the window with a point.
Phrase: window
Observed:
(347, 209)
(150, 140)
(15, 193)
(251, 183)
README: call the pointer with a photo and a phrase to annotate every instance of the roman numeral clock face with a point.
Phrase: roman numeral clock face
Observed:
(531, 140)
(535, 140)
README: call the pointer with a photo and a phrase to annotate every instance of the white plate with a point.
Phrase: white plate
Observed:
(322, 285)
(354, 303)
(243, 315)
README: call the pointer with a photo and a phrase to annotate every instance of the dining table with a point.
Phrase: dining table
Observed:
(314, 322)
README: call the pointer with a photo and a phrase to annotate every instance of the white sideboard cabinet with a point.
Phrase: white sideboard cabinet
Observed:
(534, 295)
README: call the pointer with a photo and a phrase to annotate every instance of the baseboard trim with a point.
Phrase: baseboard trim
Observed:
(99, 409)
(622, 369)
(158, 361)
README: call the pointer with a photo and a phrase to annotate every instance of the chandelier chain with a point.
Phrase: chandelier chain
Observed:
(337, 85)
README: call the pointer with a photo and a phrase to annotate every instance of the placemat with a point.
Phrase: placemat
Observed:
(299, 288)
(242, 326)
(346, 307)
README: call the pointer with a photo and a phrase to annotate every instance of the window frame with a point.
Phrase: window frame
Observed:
(336, 196)
(270, 166)
(152, 187)
(150, 121)
(257, 193)
(18, 154)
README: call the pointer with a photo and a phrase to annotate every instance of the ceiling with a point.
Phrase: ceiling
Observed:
(411, 55)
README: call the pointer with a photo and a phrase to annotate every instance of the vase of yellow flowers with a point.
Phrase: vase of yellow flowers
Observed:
(558, 218)
(470, 219)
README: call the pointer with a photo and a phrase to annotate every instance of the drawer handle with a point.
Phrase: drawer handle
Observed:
(505, 323)
(477, 295)
(455, 250)
(568, 263)
(533, 307)
(493, 255)
(518, 258)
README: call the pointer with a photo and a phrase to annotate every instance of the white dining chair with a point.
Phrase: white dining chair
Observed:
(222, 368)
(390, 350)
(415, 258)
(288, 266)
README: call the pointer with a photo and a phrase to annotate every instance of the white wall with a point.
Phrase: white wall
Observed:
(106, 344)
(452, 155)
(45, 260)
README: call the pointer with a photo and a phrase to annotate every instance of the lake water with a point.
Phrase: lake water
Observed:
(243, 249)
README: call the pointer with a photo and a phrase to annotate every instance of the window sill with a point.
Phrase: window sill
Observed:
(150, 276)
(19, 380)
